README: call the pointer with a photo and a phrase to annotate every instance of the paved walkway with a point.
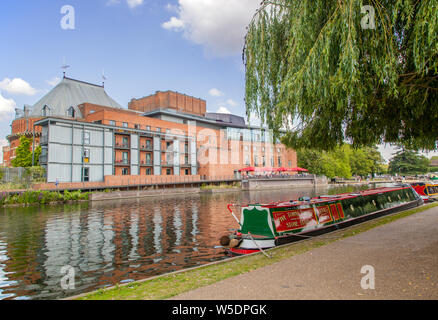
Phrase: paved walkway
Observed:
(404, 255)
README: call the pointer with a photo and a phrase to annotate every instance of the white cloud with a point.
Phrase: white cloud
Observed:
(232, 103)
(54, 81)
(131, 3)
(223, 109)
(134, 3)
(112, 2)
(215, 92)
(7, 108)
(17, 86)
(220, 26)
(173, 24)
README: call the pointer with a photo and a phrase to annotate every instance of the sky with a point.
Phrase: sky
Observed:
(140, 46)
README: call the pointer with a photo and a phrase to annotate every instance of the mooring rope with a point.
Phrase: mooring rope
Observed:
(255, 242)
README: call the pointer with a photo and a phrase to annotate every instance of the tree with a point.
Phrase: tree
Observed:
(408, 162)
(342, 162)
(23, 154)
(317, 69)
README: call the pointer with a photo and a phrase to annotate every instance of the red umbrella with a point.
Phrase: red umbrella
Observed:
(247, 169)
(282, 169)
(299, 169)
(264, 169)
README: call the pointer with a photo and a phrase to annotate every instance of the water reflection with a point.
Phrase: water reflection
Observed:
(115, 241)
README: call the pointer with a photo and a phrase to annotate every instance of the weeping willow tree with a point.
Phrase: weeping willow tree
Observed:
(331, 71)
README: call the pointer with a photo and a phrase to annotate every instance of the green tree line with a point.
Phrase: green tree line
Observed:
(342, 162)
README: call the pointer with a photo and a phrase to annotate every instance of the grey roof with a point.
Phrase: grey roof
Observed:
(71, 93)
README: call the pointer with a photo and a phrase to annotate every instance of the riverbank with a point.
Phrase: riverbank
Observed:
(173, 284)
(29, 198)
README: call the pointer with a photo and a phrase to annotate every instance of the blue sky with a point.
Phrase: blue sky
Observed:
(142, 47)
(189, 46)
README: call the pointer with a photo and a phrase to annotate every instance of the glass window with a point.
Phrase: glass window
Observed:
(148, 128)
(168, 172)
(148, 158)
(112, 123)
(125, 124)
(86, 155)
(71, 112)
(86, 137)
(125, 142)
(86, 174)
(125, 171)
(148, 171)
(45, 111)
(125, 157)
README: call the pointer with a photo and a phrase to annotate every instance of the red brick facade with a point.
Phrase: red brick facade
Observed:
(169, 100)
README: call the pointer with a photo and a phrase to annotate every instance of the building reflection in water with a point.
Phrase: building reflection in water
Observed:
(112, 241)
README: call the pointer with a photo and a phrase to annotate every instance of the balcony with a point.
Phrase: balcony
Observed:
(122, 145)
(146, 163)
(43, 159)
(44, 140)
(167, 163)
(146, 148)
(123, 162)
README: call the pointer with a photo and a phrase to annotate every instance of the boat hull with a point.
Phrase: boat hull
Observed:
(252, 245)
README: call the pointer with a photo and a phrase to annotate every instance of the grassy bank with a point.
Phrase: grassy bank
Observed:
(170, 285)
(41, 197)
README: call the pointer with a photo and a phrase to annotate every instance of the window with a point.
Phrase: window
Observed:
(125, 157)
(112, 123)
(125, 171)
(186, 159)
(167, 130)
(279, 161)
(168, 172)
(136, 126)
(158, 129)
(148, 128)
(125, 124)
(46, 111)
(86, 137)
(148, 158)
(125, 142)
(86, 156)
(148, 144)
(71, 112)
(290, 163)
(148, 171)
(186, 147)
(187, 172)
(85, 174)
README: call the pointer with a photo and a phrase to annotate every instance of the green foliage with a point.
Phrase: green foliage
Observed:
(42, 197)
(311, 61)
(23, 154)
(341, 162)
(408, 162)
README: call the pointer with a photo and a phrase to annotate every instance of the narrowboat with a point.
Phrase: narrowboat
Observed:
(426, 190)
(263, 226)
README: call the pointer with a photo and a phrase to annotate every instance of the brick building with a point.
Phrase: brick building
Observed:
(87, 137)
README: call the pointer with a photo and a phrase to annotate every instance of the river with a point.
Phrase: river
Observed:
(105, 243)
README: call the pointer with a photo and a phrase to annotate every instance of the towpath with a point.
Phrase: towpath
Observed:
(403, 255)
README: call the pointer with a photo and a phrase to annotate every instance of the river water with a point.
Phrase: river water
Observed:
(112, 242)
